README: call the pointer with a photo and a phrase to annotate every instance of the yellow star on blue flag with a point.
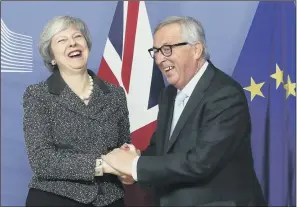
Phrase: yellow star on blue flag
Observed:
(278, 76)
(255, 89)
(269, 56)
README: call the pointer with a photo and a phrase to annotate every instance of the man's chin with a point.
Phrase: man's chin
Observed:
(171, 82)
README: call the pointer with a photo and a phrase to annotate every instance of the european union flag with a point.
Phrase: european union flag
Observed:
(266, 69)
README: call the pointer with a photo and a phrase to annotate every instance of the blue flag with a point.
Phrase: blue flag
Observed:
(266, 69)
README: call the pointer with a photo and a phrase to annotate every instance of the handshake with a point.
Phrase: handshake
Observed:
(119, 162)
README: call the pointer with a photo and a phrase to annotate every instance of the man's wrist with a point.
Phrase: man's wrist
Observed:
(134, 168)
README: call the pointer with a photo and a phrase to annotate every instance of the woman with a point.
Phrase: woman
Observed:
(70, 120)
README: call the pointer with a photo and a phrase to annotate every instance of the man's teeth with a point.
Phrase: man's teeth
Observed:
(168, 68)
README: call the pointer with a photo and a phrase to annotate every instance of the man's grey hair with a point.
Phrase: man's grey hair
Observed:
(192, 31)
(55, 26)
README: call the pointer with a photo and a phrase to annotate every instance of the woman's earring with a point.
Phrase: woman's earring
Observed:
(53, 62)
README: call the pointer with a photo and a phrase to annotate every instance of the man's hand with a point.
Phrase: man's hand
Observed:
(130, 147)
(110, 170)
(121, 160)
(126, 179)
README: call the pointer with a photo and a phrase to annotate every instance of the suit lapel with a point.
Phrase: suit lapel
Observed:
(63, 95)
(166, 114)
(168, 129)
(193, 102)
(104, 103)
(68, 99)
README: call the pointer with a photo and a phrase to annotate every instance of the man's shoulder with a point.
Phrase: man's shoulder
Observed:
(222, 80)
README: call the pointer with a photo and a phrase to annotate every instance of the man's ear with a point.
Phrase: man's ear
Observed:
(198, 50)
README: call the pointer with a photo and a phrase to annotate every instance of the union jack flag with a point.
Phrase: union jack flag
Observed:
(126, 62)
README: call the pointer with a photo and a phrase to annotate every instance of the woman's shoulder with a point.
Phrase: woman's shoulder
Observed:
(113, 88)
(36, 90)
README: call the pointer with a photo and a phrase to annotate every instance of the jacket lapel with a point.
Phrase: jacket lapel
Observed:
(166, 114)
(102, 100)
(63, 95)
(193, 102)
(68, 99)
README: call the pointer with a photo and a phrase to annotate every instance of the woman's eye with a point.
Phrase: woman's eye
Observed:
(61, 40)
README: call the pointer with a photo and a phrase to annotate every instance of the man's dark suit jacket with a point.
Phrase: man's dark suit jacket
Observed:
(208, 159)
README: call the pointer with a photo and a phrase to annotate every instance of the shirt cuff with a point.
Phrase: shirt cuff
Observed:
(134, 168)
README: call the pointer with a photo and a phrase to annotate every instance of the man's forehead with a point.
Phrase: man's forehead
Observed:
(168, 34)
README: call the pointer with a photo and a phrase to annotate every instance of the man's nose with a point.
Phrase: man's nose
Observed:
(159, 58)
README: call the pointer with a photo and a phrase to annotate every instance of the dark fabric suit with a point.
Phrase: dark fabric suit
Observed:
(208, 160)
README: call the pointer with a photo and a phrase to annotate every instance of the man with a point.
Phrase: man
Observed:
(200, 153)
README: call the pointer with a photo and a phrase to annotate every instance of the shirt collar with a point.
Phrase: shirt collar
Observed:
(189, 88)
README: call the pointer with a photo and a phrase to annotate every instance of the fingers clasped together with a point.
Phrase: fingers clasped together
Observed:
(119, 162)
